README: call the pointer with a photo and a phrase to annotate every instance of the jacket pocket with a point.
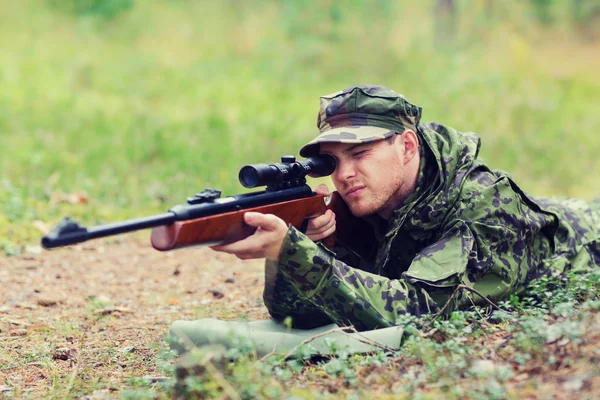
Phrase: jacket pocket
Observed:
(443, 263)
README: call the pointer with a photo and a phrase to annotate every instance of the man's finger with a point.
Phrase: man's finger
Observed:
(322, 235)
(319, 224)
(245, 246)
(319, 221)
(268, 222)
(316, 232)
(248, 256)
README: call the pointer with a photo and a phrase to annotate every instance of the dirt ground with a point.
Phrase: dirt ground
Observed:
(99, 312)
(85, 321)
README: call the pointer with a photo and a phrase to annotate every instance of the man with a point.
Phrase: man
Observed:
(441, 218)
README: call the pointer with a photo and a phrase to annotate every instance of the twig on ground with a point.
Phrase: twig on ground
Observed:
(268, 354)
(219, 378)
(342, 329)
(447, 303)
(491, 303)
(106, 311)
(310, 339)
(15, 322)
(470, 289)
(372, 342)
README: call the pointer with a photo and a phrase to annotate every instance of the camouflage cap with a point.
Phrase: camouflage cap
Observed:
(362, 114)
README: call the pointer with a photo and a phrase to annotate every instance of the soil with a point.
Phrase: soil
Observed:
(85, 321)
(102, 310)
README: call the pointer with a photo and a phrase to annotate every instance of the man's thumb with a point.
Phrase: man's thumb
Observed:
(322, 189)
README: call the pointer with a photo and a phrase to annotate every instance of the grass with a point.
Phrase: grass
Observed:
(143, 109)
(114, 113)
(537, 346)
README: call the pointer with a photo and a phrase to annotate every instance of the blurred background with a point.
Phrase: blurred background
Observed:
(112, 109)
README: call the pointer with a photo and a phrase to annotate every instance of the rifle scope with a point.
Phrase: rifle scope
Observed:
(288, 173)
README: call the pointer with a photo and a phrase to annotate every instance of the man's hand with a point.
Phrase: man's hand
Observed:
(264, 243)
(322, 226)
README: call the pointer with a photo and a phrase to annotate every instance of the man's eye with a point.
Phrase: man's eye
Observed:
(359, 153)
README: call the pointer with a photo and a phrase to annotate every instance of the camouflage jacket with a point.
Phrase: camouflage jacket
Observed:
(464, 225)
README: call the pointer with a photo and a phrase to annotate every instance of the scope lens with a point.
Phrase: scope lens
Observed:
(249, 176)
(254, 175)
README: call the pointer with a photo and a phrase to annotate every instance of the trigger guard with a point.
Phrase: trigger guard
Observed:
(304, 225)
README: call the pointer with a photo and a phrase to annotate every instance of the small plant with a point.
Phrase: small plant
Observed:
(9, 248)
(105, 9)
(542, 10)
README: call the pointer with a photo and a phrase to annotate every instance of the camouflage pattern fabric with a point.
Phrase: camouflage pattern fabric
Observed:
(465, 224)
(362, 114)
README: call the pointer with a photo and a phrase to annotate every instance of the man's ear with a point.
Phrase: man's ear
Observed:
(411, 145)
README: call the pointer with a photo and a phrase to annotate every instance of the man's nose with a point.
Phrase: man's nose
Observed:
(344, 170)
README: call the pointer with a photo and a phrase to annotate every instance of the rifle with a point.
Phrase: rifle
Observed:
(209, 219)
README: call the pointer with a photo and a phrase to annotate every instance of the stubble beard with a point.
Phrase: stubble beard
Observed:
(388, 197)
(358, 211)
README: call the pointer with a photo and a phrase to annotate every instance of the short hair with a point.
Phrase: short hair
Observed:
(392, 139)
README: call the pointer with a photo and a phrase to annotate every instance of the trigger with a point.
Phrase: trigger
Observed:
(304, 226)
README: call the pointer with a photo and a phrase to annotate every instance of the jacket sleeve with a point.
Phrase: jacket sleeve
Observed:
(493, 250)
(349, 296)
(283, 300)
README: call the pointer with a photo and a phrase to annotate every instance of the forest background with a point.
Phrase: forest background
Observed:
(113, 109)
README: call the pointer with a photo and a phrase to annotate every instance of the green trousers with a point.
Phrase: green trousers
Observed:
(270, 336)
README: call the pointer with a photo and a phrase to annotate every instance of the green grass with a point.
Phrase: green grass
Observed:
(536, 346)
(145, 108)
(137, 109)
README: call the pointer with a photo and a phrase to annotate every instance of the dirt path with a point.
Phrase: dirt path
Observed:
(92, 313)
(85, 321)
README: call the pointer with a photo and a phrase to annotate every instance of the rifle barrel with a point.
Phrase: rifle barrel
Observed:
(69, 232)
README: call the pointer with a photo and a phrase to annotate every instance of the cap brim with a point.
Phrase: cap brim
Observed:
(346, 134)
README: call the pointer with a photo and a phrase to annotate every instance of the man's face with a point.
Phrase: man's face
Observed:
(370, 177)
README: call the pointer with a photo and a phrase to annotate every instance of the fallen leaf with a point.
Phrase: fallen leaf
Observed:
(47, 302)
(155, 379)
(16, 322)
(106, 311)
(79, 197)
(26, 306)
(64, 353)
(573, 385)
(128, 349)
(36, 250)
(42, 226)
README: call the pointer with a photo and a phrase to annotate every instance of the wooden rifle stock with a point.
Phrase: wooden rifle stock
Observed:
(351, 231)
(208, 219)
(230, 227)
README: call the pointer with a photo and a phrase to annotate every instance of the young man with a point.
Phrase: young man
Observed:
(441, 218)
